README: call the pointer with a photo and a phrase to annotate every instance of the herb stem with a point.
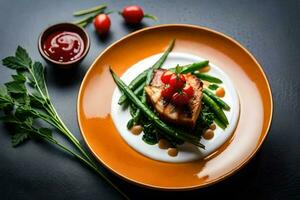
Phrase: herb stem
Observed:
(63, 128)
(89, 18)
(86, 163)
(58, 123)
(146, 15)
(37, 85)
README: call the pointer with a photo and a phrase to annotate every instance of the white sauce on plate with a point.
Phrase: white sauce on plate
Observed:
(186, 152)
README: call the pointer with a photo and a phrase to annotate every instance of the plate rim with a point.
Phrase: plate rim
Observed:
(164, 188)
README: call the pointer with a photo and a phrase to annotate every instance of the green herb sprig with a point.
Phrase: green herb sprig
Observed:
(25, 102)
(90, 14)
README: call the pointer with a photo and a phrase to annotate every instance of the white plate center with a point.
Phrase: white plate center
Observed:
(187, 152)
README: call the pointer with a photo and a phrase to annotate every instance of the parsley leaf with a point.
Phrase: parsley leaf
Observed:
(5, 99)
(22, 55)
(19, 78)
(19, 138)
(38, 73)
(10, 119)
(15, 87)
(150, 133)
(205, 119)
(46, 132)
(20, 61)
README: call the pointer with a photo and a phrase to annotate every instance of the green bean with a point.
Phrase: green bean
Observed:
(166, 129)
(89, 10)
(134, 85)
(138, 91)
(219, 101)
(163, 58)
(88, 18)
(138, 80)
(215, 108)
(132, 110)
(130, 123)
(220, 124)
(137, 115)
(142, 77)
(194, 67)
(208, 78)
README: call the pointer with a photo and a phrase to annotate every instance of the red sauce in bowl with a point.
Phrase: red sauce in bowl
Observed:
(63, 46)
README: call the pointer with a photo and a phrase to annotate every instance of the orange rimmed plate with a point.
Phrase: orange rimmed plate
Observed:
(101, 136)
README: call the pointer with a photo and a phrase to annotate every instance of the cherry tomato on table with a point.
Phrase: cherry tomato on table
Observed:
(134, 14)
(102, 24)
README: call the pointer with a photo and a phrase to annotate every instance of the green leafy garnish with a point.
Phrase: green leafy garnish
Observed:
(25, 102)
(213, 86)
(90, 14)
(209, 78)
(206, 118)
(178, 69)
(150, 135)
(130, 123)
(90, 10)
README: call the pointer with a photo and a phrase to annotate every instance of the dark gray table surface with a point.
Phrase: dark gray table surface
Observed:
(269, 29)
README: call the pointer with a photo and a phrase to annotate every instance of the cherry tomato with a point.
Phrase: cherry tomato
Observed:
(177, 81)
(165, 78)
(180, 98)
(189, 90)
(133, 14)
(102, 24)
(167, 92)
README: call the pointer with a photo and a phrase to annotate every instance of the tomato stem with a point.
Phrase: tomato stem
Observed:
(146, 15)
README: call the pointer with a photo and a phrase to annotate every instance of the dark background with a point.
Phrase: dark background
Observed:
(269, 29)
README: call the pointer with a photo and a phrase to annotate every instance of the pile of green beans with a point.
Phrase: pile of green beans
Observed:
(219, 101)
(135, 94)
(165, 128)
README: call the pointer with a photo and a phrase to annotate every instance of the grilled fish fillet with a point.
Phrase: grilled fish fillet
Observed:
(185, 116)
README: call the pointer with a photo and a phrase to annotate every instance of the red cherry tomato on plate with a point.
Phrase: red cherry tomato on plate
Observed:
(133, 14)
(165, 78)
(177, 81)
(102, 24)
(189, 90)
(180, 98)
(167, 92)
